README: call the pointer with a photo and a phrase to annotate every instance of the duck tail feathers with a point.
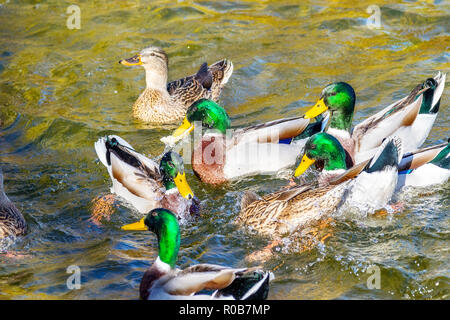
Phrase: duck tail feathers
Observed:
(432, 92)
(101, 150)
(252, 285)
(389, 154)
(260, 290)
(221, 71)
(103, 145)
(437, 92)
(443, 158)
(204, 76)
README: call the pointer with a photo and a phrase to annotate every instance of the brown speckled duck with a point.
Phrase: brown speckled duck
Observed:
(12, 223)
(163, 102)
(370, 183)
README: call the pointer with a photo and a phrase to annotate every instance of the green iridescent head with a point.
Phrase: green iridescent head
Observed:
(209, 113)
(325, 148)
(165, 225)
(172, 171)
(339, 98)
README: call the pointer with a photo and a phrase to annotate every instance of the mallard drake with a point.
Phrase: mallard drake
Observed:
(220, 157)
(285, 211)
(12, 222)
(376, 177)
(144, 184)
(422, 167)
(163, 102)
(425, 167)
(163, 281)
(410, 118)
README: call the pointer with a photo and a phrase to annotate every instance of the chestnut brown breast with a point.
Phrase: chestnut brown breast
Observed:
(208, 159)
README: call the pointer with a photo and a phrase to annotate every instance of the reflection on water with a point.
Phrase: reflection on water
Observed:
(61, 89)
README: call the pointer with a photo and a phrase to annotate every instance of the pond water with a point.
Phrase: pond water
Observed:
(61, 89)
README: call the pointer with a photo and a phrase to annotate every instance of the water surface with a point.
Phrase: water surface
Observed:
(61, 89)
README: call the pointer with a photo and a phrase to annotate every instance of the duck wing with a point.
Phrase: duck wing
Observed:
(251, 285)
(135, 172)
(371, 132)
(417, 158)
(200, 277)
(388, 154)
(206, 83)
(192, 88)
(272, 132)
(260, 213)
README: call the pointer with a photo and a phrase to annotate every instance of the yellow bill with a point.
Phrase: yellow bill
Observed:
(318, 109)
(133, 61)
(183, 186)
(304, 164)
(137, 226)
(186, 126)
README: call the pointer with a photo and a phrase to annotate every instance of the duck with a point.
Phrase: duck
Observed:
(12, 222)
(420, 168)
(425, 167)
(376, 177)
(224, 155)
(164, 281)
(142, 182)
(410, 118)
(162, 102)
(297, 207)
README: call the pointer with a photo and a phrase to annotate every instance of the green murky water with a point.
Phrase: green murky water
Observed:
(61, 89)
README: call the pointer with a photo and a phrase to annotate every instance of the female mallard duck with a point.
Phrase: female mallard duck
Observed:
(425, 167)
(165, 103)
(142, 183)
(163, 281)
(220, 157)
(12, 222)
(422, 167)
(410, 118)
(285, 211)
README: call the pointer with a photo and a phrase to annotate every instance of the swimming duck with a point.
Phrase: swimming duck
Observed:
(144, 184)
(410, 118)
(221, 156)
(374, 186)
(425, 167)
(12, 222)
(163, 281)
(163, 102)
(422, 167)
(370, 183)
